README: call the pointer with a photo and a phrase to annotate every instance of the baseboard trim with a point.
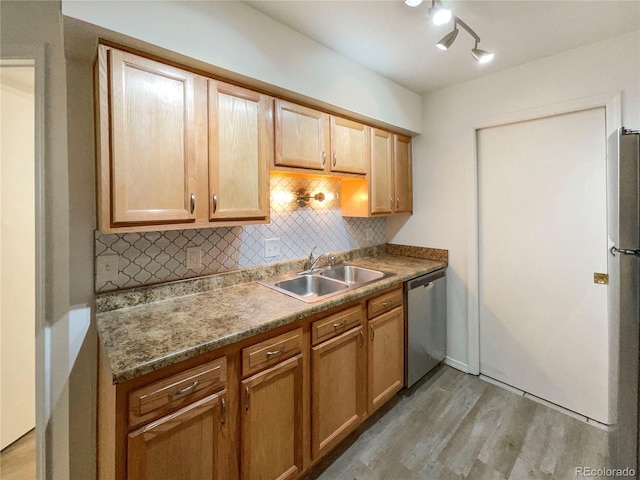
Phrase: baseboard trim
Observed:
(546, 403)
(463, 367)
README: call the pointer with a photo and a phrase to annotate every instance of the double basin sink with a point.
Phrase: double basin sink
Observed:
(323, 283)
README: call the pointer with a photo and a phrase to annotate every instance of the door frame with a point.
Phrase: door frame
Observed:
(36, 55)
(613, 118)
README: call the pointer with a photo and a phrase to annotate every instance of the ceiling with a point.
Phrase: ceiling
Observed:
(398, 41)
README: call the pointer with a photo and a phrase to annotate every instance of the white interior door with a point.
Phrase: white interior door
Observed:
(542, 235)
(17, 253)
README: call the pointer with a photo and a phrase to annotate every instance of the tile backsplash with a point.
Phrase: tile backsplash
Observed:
(155, 257)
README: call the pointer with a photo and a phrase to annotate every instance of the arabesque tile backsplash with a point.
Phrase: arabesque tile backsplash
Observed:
(155, 257)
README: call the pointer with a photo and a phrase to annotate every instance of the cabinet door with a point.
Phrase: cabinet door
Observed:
(338, 395)
(271, 428)
(240, 152)
(381, 176)
(152, 140)
(302, 136)
(349, 146)
(403, 177)
(386, 357)
(182, 445)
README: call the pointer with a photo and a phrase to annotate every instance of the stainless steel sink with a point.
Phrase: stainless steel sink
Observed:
(312, 287)
(352, 274)
(308, 288)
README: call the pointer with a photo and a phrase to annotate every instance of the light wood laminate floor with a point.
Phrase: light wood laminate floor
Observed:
(18, 460)
(455, 426)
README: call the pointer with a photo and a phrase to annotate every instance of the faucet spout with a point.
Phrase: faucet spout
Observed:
(312, 262)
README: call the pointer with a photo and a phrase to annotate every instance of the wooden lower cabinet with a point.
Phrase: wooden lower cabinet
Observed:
(265, 408)
(182, 445)
(338, 391)
(386, 357)
(271, 423)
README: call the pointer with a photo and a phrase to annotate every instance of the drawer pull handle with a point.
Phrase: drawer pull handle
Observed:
(324, 158)
(184, 391)
(215, 203)
(373, 332)
(361, 339)
(335, 159)
(223, 415)
(247, 393)
(193, 203)
(397, 202)
(387, 303)
(341, 324)
(276, 352)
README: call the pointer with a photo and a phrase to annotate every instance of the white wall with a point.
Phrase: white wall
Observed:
(17, 259)
(237, 38)
(444, 155)
(39, 23)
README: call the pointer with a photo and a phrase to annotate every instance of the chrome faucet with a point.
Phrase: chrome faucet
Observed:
(313, 261)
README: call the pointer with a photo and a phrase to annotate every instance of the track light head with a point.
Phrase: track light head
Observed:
(413, 3)
(481, 56)
(448, 39)
(439, 15)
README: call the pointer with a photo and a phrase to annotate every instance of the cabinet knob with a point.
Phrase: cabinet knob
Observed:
(215, 203)
(193, 203)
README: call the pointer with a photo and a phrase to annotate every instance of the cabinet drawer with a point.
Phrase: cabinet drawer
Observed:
(165, 395)
(384, 303)
(270, 352)
(335, 324)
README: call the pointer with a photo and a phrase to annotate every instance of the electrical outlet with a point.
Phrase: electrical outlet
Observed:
(194, 258)
(272, 247)
(107, 268)
(369, 234)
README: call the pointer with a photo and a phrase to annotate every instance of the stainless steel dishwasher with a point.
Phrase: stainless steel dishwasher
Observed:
(426, 300)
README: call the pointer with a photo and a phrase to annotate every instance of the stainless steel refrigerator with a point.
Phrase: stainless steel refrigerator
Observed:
(623, 177)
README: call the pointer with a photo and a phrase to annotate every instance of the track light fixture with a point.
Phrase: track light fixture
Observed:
(440, 16)
(449, 38)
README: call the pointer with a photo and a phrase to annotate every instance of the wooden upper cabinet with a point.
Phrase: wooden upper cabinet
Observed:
(240, 152)
(381, 176)
(402, 174)
(182, 445)
(349, 146)
(152, 138)
(302, 136)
